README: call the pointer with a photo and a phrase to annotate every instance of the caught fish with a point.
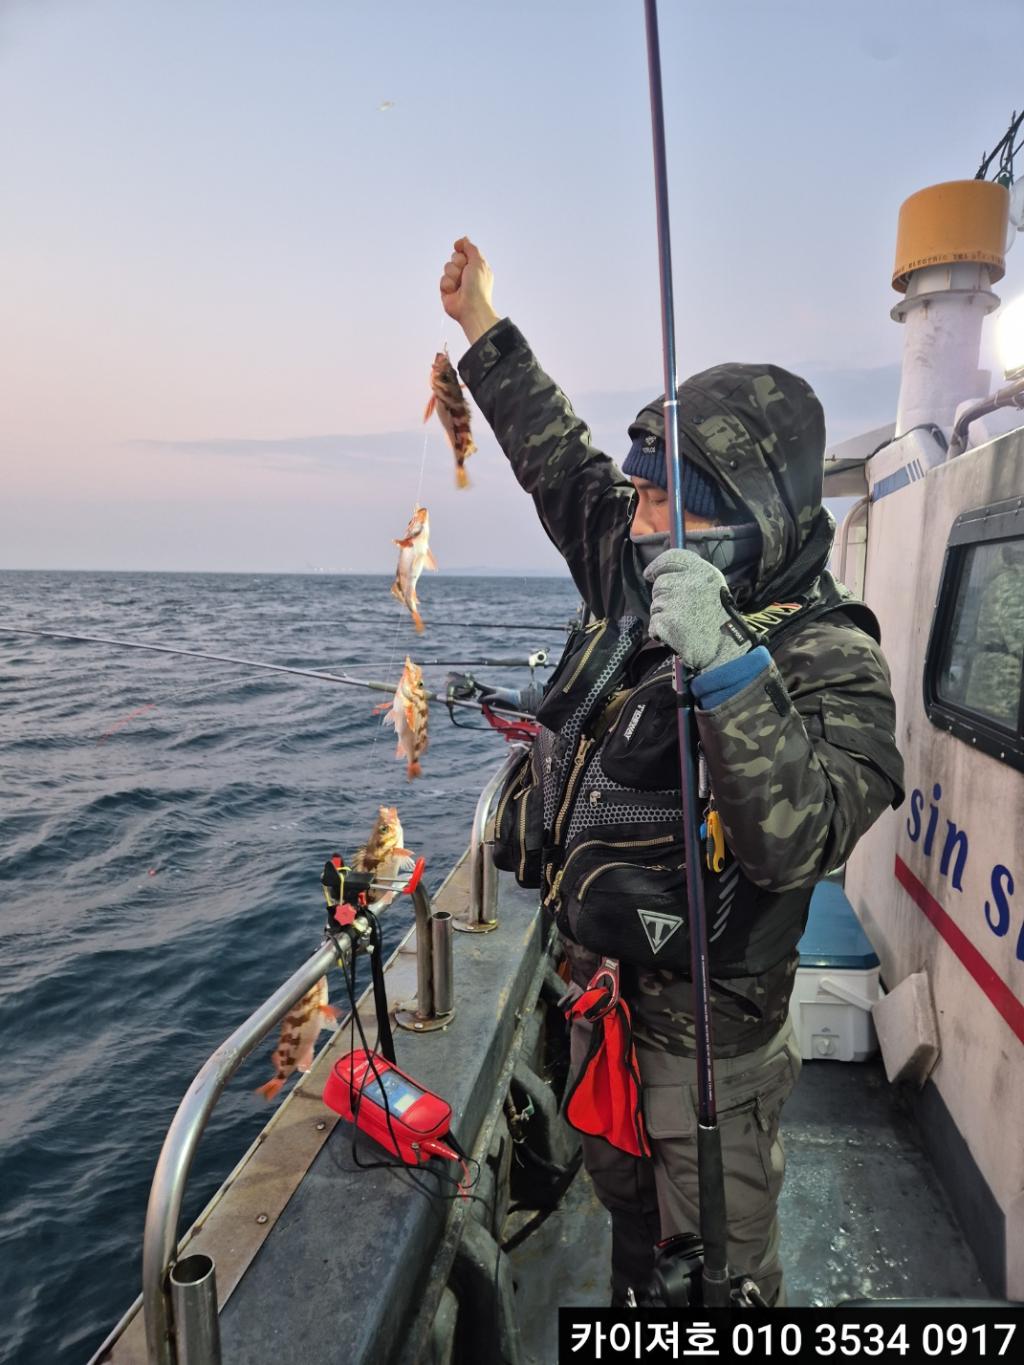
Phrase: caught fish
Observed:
(383, 854)
(408, 714)
(299, 1032)
(446, 397)
(413, 557)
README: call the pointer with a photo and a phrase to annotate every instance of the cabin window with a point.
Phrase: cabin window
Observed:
(975, 664)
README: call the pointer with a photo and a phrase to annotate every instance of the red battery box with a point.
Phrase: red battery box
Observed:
(389, 1106)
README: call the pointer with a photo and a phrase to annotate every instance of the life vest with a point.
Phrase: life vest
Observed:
(593, 815)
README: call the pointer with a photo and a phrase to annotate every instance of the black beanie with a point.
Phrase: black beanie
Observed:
(646, 460)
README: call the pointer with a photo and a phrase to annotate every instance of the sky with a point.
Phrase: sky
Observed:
(219, 253)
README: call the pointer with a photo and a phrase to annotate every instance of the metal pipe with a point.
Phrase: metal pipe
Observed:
(194, 1301)
(424, 955)
(1010, 396)
(433, 1006)
(160, 1243)
(483, 879)
(842, 548)
(441, 941)
(489, 882)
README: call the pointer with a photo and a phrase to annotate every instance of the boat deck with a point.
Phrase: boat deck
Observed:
(863, 1215)
(315, 1257)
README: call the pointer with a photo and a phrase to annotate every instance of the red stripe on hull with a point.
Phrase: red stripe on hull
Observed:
(981, 970)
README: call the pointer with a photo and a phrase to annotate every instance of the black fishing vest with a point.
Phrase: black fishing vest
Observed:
(593, 815)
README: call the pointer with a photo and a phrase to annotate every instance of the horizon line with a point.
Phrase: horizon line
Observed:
(470, 571)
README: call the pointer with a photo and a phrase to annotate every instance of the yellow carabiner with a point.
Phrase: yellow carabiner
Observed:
(714, 849)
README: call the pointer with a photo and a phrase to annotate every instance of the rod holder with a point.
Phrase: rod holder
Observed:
(194, 1307)
(441, 942)
(483, 875)
(434, 1006)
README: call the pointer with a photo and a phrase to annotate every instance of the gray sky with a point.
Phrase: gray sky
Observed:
(220, 254)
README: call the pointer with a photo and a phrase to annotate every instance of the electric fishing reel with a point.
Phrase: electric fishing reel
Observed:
(347, 892)
(678, 1267)
(678, 1278)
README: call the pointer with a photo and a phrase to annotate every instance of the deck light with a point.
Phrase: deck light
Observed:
(1010, 338)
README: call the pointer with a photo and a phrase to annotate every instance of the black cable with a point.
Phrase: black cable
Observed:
(400, 1168)
(385, 1041)
(1004, 149)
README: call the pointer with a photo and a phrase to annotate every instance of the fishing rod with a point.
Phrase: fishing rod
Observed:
(540, 659)
(710, 1175)
(470, 625)
(320, 674)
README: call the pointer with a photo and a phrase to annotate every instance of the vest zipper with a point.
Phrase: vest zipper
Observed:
(513, 791)
(606, 843)
(579, 763)
(522, 836)
(607, 867)
(603, 626)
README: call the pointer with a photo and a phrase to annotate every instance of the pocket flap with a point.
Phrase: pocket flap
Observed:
(669, 1112)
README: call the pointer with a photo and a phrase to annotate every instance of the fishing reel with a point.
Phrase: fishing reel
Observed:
(678, 1280)
(678, 1268)
(348, 893)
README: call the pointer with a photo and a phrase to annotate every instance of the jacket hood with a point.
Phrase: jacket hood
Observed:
(759, 432)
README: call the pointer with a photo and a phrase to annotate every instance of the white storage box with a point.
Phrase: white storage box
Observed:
(836, 982)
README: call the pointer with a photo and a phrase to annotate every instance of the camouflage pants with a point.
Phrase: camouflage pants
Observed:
(649, 1199)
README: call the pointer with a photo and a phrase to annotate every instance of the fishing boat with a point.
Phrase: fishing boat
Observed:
(905, 1175)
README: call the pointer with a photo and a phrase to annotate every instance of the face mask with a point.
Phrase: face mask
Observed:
(649, 547)
(734, 550)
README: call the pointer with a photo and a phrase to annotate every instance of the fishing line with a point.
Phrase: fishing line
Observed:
(398, 620)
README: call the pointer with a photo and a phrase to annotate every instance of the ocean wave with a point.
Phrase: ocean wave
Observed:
(159, 885)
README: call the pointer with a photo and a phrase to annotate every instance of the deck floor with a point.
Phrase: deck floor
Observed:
(863, 1215)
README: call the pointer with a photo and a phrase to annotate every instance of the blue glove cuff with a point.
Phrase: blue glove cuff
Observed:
(719, 684)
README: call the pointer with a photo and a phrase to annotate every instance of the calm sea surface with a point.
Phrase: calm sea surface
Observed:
(163, 825)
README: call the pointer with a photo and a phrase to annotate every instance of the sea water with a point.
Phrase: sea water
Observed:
(163, 825)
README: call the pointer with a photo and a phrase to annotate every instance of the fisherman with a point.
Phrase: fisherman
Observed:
(795, 722)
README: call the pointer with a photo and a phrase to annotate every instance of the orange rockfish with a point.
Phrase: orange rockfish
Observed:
(299, 1032)
(453, 411)
(408, 714)
(413, 557)
(383, 854)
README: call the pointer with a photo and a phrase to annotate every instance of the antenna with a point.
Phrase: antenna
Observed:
(1005, 150)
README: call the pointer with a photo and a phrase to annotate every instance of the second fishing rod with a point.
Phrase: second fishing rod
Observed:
(321, 675)
(711, 1175)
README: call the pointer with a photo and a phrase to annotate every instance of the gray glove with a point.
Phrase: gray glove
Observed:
(692, 611)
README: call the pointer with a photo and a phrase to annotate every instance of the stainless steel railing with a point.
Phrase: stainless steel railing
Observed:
(483, 875)
(172, 1341)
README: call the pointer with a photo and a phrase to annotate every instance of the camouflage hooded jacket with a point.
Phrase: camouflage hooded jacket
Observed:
(803, 759)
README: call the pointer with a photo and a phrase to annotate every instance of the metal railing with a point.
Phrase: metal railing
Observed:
(181, 1317)
(483, 875)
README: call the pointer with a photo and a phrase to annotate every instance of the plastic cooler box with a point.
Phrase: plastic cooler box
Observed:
(836, 982)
